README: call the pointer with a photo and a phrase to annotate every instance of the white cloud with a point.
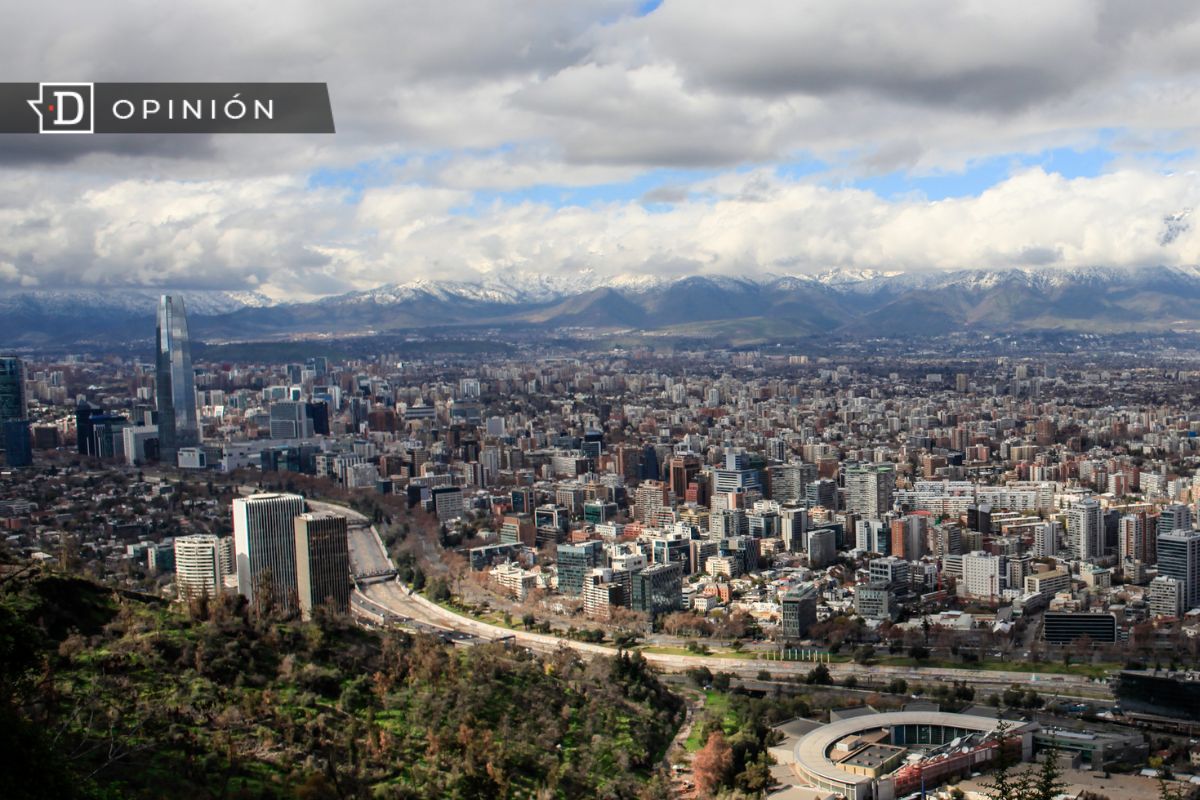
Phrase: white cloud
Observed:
(304, 243)
(444, 99)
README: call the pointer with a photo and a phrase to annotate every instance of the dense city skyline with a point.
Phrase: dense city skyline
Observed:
(629, 399)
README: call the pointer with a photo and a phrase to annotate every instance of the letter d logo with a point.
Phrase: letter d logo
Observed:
(64, 107)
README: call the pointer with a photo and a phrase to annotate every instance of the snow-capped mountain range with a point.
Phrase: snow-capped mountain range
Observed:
(838, 301)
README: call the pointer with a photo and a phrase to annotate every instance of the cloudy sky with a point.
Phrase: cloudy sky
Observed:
(501, 140)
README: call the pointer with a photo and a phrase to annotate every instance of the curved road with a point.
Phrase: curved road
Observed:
(369, 556)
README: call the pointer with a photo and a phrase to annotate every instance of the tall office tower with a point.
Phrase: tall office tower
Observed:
(789, 482)
(908, 537)
(683, 470)
(1175, 517)
(822, 547)
(14, 423)
(1179, 558)
(1131, 537)
(18, 442)
(737, 475)
(290, 420)
(650, 467)
(1085, 530)
(175, 382)
(823, 493)
(199, 566)
(264, 542)
(12, 389)
(322, 563)
(574, 562)
(84, 428)
(869, 490)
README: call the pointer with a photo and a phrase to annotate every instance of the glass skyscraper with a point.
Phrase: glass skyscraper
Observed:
(178, 421)
(12, 389)
(14, 425)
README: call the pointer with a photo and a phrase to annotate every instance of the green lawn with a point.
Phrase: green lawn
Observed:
(995, 664)
(716, 706)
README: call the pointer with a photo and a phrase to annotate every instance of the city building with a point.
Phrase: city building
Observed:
(13, 397)
(984, 576)
(1164, 596)
(18, 443)
(575, 561)
(1085, 529)
(1064, 627)
(658, 589)
(1179, 558)
(822, 547)
(447, 502)
(175, 380)
(869, 489)
(200, 565)
(264, 540)
(322, 563)
(798, 611)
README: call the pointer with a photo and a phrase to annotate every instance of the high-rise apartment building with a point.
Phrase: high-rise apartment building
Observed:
(199, 566)
(175, 382)
(652, 499)
(322, 563)
(1131, 537)
(1045, 539)
(984, 575)
(1085, 529)
(789, 482)
(264, 540)
(869, 489)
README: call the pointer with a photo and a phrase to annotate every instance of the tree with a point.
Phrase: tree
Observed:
(1046, 783)
(700, 676)
(819, 675)
(712, 764)
(1005, 784)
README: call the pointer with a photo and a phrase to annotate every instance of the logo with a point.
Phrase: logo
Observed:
(158, 108)
(65, 107)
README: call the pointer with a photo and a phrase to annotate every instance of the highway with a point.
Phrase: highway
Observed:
(393, 601)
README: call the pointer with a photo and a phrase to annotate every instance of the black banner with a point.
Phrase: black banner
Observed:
(74, 108)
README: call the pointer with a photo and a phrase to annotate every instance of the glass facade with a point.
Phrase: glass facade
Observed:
(12, 389)
(178, 423)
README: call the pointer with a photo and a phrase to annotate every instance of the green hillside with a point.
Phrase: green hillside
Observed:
(105, 696)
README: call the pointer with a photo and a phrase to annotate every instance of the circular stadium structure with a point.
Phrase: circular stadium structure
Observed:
(882, 756)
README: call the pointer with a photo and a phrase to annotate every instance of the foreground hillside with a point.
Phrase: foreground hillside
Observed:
(108, 696)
